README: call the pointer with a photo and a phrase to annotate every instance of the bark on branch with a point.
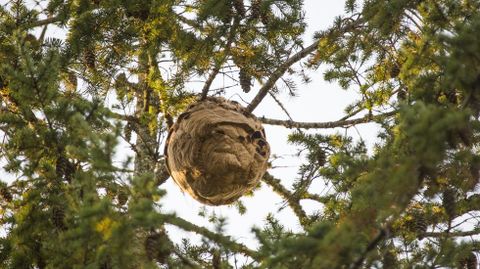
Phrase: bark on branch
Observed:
(325, 125)
(293, 202)
(223, 240)
(452, 234)
(43, 22)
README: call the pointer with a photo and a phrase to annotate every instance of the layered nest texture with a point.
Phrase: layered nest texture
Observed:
(217, 151)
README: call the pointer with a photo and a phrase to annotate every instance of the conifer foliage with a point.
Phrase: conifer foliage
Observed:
(121, 73)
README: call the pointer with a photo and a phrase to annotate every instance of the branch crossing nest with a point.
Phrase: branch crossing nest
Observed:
(216, 151)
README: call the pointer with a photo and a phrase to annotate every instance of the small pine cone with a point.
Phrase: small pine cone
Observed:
(5, 193)
(72, 81)
(64, 168)
(122, 197)
(58, 217)
(158, 247)
(321, 157)
(265, 17)
(255, 9)
(394, 71)
(419, 224)
(402, 95)
(469, 262)
(245, 80)
(239, 7)
(448, 201)
(89, 58)
(61, 166)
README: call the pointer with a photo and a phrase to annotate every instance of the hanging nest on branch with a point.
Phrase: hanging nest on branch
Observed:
(216, 151)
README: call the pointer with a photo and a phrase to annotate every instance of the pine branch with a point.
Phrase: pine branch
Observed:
(452, 234)
(326, 125)
(293, 202)
(223, 240)
(381, 235)
(43, 22)
(279, 73)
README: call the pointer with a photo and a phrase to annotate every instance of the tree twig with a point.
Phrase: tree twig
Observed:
(218, 65)
(43, 22)
(326, 125)
(279, 73)
(225, 241)
(293, 202)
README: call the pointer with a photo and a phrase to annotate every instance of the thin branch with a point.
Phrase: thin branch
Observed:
(328, 124)
(43, 22)
(381, 235)
(280, 105)
(279, 73)
(223, 240)
(289, 197)
(218, 65)
(452, 234)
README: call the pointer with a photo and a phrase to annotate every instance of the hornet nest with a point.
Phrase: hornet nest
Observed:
(216, 151)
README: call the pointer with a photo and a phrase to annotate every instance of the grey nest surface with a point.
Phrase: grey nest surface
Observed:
(217, 151)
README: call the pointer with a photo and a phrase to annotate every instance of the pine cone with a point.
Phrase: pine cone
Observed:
(321, 157)
(419, 224)
(239, 7)
(5, 193)
(255, 9)
(245, 80)
(394, 71)
(469, 262)
(64, 168)
(448, 201)
(265, 16)
(71, 81)
(89, 58)
(58, 217)
(122, 197)
(158, 247)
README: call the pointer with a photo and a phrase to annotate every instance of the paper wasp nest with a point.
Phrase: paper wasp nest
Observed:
(216, 151)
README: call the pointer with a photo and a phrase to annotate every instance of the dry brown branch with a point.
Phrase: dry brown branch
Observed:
(328, 124)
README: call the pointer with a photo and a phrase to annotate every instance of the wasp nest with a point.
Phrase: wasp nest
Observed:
(217, 151)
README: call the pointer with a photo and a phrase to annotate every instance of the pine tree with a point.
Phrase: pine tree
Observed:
(68, 203)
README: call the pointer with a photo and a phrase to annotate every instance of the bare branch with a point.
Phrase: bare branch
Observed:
(43, 22)
(328, 124)
(279, 73)
(218, 65)
(452, 234)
